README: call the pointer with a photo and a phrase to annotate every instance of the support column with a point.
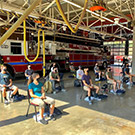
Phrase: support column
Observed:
(133, 54)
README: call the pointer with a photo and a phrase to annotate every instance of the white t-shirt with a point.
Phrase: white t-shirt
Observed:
(79, 72)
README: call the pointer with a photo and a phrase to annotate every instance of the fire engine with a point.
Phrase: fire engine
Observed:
(12, 54)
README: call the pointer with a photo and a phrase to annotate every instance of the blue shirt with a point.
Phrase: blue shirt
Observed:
(86, 78)
(5, 78)
(36, 89)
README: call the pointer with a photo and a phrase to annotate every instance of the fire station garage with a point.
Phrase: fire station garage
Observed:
(67, 67)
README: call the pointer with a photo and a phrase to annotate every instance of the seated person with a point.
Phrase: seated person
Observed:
(28, 72)
(55, 78)
(72, 68)
(88, 86)
(6, 83)
(79, 73)
(55, 65)
(111, 80)
(38, 97)
(97, 71)
(128, 74)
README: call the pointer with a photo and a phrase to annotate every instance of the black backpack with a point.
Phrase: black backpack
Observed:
(77, 83)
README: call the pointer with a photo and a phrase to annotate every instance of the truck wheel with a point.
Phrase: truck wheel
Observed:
(104, 65)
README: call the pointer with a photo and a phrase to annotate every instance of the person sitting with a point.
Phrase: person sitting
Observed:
(97, 72)
(128, 74)
(55, 78)
(111, 80)
(88, 86)
(38, 97)
(6, 84)
(60, 74)
(54, 65)
(79, 73)
(28, 72)
(72, 68)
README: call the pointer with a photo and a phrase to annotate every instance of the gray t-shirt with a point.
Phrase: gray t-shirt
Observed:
(96, 69)
(29, 72)
(4, 78)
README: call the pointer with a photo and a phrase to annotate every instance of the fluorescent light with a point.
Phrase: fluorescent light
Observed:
(18, 12)
(33, 16)
(72, 3)
(6, 9)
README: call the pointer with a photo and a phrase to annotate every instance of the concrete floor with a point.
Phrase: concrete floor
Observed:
(114, 116)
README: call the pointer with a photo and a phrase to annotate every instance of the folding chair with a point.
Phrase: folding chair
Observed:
(83, 91)
(30, 103)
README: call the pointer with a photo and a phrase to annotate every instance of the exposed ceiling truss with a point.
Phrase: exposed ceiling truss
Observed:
(93, 22)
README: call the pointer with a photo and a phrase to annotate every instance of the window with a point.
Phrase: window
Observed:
(16, 48)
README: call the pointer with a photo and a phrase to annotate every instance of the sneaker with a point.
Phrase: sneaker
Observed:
(96, 98)
(63, 90)
(113, 92)
(90, 103)
(43, 121)
(6, 102)
(97, 79)
(54, 92)
(128, 83)
(52, 118)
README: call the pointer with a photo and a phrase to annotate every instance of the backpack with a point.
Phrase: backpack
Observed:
(77, 83)
(48, 87)
(120, 92)
(102, 96)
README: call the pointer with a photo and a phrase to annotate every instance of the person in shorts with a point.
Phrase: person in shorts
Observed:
(97, 72)
(79, 73)
(111, 80)
(6, 84)
(38, 97)
(28, 72)
(128, 74)
(55, 78)
(88, 85)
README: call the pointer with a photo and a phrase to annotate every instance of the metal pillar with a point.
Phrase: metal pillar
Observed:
(19, 21)
(133, 54)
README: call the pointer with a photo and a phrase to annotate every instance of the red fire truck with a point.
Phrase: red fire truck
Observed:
(12, 54)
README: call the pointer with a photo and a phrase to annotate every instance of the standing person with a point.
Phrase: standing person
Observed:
(128, 74)
(38, 97)
(88, 86)
(55, 78)
(28, 72)
(6, 83)
(79, 73)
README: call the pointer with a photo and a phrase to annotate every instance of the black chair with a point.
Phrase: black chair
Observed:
(30, 103)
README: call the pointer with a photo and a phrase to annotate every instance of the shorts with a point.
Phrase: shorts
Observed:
(11, 88)
(110, 81)
(85, 87)
(127, 76)
(41, 102)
